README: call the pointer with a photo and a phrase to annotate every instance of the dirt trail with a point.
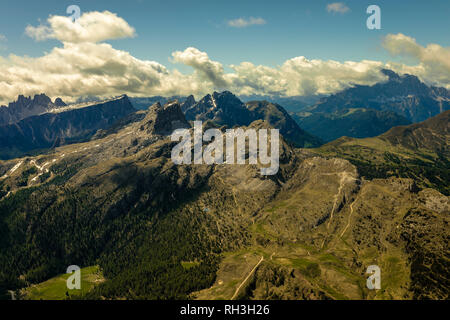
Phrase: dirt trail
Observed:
(13, 296)
(246, 278)
(350, 215)
(345, 177)
(13, 169)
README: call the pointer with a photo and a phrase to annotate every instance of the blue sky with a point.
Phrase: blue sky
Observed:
(156, 47)
(292, 28)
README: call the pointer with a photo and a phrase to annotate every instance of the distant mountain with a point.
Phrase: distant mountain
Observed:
(87, 98)
(143, 103)
(405, 95)
(357, 123)
(291, 104)
(367, 111)
(227, 109)
(26, 107)
(62, 125)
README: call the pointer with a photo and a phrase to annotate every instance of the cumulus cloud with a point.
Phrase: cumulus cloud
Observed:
(433, 60)
(301, 76)
(81, 69)
(90, 27)
(337, 7)
(243, 22)
(206, 68)
(2, 37)
(90, 67)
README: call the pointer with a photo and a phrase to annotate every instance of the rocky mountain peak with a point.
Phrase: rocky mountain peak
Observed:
(41, 99)
(21, 99)
(189, 102)
(25, 107)
(390, 74)
(154, 107)
(227, 98)
(59, 103)
(163, 120)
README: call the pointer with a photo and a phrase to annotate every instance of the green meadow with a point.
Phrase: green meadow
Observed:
(56, 288)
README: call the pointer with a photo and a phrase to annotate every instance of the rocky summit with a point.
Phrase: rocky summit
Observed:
(57, 126)
(26, 107)
(226, 109)
(165, 119)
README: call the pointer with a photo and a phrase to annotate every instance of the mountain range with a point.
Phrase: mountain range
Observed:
(57, 126)
(367, 111)
(157, 230)
(26, 107)
(228, 110)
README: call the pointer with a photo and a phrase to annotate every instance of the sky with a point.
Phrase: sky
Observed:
(147, 47)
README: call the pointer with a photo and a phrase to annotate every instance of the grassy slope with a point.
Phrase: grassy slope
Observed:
(329, 260)
(56, 288)
(419, 151)
(378, 158)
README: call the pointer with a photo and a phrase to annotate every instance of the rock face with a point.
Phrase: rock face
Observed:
(223, 108)
(189, 102)
(26, 107)
(164, 120)
(226, 109)
(60, 126)
(278, 118)
(59, 103)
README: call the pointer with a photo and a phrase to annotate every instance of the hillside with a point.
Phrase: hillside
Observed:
(356, 123)
(327, 224)
(419, 151)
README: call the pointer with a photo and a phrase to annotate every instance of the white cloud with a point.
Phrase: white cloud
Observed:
(433, 60)
(89, 67)
(2, 37)
(90, 27)
(207, 69)
(301, 76)
(243, 22)
(337, 7)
